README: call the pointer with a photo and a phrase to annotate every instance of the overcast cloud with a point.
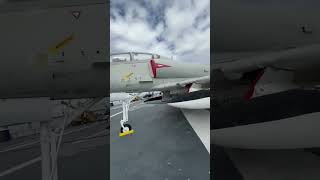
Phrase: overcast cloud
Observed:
(178, 28)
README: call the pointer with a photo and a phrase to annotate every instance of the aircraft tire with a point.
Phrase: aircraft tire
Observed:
(126, 125)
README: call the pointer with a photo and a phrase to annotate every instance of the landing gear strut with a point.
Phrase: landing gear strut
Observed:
(49, 151)
(125, 128)
(51, 133)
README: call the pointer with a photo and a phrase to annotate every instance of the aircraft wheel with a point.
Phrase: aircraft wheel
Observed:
(127, 127)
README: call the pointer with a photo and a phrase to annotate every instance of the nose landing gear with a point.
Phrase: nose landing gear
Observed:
(126, 129)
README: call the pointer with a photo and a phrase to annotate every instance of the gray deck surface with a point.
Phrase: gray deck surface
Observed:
(163, 147)
(78, 159)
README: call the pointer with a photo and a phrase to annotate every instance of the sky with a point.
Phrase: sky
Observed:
(173, 28)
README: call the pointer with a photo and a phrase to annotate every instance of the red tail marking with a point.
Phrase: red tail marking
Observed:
(155, 66)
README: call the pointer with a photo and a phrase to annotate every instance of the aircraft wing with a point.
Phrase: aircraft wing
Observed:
(194, 105)
(293, 58)
(183, 83)
(254, 84)
(248, 75)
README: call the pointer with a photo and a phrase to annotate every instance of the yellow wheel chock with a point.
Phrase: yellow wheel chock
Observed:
(126, 133)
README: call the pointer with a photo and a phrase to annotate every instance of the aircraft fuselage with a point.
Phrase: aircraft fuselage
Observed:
(144, 75)
(48, 52)
(247, 26)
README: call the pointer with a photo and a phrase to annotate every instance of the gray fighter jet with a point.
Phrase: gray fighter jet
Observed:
(183, 85)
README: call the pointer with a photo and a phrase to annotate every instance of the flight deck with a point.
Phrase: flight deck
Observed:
(82, 155)
(164, 145)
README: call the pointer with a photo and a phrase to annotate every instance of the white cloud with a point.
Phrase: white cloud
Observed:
(170, 28)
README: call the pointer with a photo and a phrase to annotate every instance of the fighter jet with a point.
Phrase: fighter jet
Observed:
(51, 50)
(183, 85)
(265, 69)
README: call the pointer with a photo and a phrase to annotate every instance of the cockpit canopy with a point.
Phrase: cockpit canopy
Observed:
(132, 56)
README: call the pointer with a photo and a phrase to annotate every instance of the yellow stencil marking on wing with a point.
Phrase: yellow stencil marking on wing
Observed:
(127, 77)
(61, 44)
